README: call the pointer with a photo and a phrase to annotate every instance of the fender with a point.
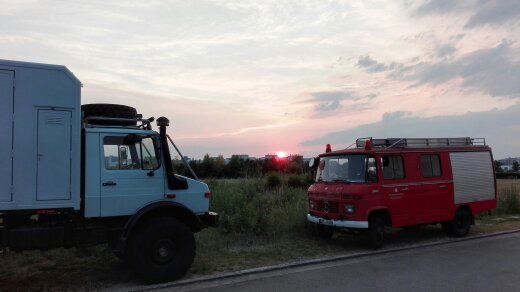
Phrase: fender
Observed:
(166, 208)
(380, 209)
(376, 209)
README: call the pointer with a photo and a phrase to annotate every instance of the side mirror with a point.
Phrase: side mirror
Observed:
(313, 163)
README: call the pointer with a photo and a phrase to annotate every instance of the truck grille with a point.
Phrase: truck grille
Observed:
(328, 207)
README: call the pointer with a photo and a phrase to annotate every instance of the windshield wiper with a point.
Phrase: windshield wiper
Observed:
(340, 180)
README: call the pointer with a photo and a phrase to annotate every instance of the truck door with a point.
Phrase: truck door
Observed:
(6, 134)
(435, 189)
(131, 174)
(396, 190)
(53, 155)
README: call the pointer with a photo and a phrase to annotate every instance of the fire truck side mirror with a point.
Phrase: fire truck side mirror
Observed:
(313, 163)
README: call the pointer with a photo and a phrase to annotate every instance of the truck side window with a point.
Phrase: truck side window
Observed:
(148, 156)
(430, 165)
(393, 167)
(120, 155)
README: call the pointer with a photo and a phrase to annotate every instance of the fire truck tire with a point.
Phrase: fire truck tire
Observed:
(162, 249)
(324, 232)
(460, 224)
(376, 231)
(110, 111)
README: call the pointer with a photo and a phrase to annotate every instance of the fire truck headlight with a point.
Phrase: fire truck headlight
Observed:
(311, 205)
(350, 209)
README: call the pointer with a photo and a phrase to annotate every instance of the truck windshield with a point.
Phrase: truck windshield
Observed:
(347, 168)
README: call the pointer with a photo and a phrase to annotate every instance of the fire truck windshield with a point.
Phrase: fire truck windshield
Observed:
(347, 168)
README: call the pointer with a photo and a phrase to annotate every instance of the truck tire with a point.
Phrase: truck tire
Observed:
(162, 249)
(376, 232)
(460, 224)
(110, 111)
(324, 232)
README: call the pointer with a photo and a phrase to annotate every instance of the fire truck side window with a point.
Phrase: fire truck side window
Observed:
(393, 167)
(430, 166)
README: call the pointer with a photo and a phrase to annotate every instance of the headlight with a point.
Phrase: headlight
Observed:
(350, 209)
(311, 205)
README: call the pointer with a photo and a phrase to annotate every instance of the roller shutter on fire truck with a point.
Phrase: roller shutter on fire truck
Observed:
(472, 176)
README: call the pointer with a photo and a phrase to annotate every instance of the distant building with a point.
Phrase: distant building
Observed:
(243, 157)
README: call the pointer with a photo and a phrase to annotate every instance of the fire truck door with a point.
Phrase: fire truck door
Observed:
(396, 190)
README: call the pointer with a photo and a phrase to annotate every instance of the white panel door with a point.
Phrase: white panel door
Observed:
(53, 156)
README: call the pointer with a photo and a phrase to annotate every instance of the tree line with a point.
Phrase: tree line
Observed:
(236, 167)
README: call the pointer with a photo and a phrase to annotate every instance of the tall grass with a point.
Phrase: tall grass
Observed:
(508, 197)
(255, 206)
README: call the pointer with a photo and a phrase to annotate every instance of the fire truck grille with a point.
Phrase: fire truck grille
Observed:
(328, 207)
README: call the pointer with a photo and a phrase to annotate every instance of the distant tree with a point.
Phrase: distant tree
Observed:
(498, 167)
(218, 167)
(516, 166)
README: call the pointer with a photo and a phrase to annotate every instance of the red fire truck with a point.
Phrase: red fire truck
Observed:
(399, 182)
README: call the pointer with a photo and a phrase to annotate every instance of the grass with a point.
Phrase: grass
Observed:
(260, 225)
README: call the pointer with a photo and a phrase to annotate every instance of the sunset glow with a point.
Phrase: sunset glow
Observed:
(281, 154)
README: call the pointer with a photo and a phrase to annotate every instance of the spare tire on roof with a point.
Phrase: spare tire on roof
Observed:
(110, 111)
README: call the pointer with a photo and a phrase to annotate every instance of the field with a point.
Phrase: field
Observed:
(262, 223)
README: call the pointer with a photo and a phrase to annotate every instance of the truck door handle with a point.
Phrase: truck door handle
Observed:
(442, 186)
(109, 183)
(404, 189)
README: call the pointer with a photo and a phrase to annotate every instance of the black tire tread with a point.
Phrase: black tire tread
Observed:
(110, 111)
(158, 228)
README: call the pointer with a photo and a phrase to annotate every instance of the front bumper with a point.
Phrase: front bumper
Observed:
(338, 223)
(209, 219)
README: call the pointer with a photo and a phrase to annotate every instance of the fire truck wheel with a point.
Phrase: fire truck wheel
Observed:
(324, 232)
(162, 249)
(461, 223)
(376, 231)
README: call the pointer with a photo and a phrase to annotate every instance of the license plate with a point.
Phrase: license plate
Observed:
(325, 222)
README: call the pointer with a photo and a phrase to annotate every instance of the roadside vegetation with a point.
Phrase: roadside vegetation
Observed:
(262, 223)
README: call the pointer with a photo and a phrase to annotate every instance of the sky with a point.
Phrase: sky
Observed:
(258, 77)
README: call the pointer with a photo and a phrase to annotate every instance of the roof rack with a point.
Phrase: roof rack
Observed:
(93, 121)
(421, 142)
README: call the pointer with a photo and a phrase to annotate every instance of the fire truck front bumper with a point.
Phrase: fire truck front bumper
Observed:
(338, 223)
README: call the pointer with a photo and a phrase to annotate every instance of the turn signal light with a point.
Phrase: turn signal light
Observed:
(207, 195)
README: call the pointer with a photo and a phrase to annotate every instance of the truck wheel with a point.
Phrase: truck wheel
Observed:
(162, 250)
(324, 232)
(376, 232)
(110, 111)
(460, 224)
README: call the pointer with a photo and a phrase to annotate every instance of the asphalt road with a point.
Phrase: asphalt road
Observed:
(486, 264)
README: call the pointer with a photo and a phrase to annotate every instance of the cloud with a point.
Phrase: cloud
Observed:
(493, 71)
(495, 13)
(331, 101)
(445, 50)
(327, 106)
(482, 12)
(438, 7)
(394, 115)
(494, 125)
(372, 66)
(332, 95)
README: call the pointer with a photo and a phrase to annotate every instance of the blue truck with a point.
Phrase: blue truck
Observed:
(77, 175)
